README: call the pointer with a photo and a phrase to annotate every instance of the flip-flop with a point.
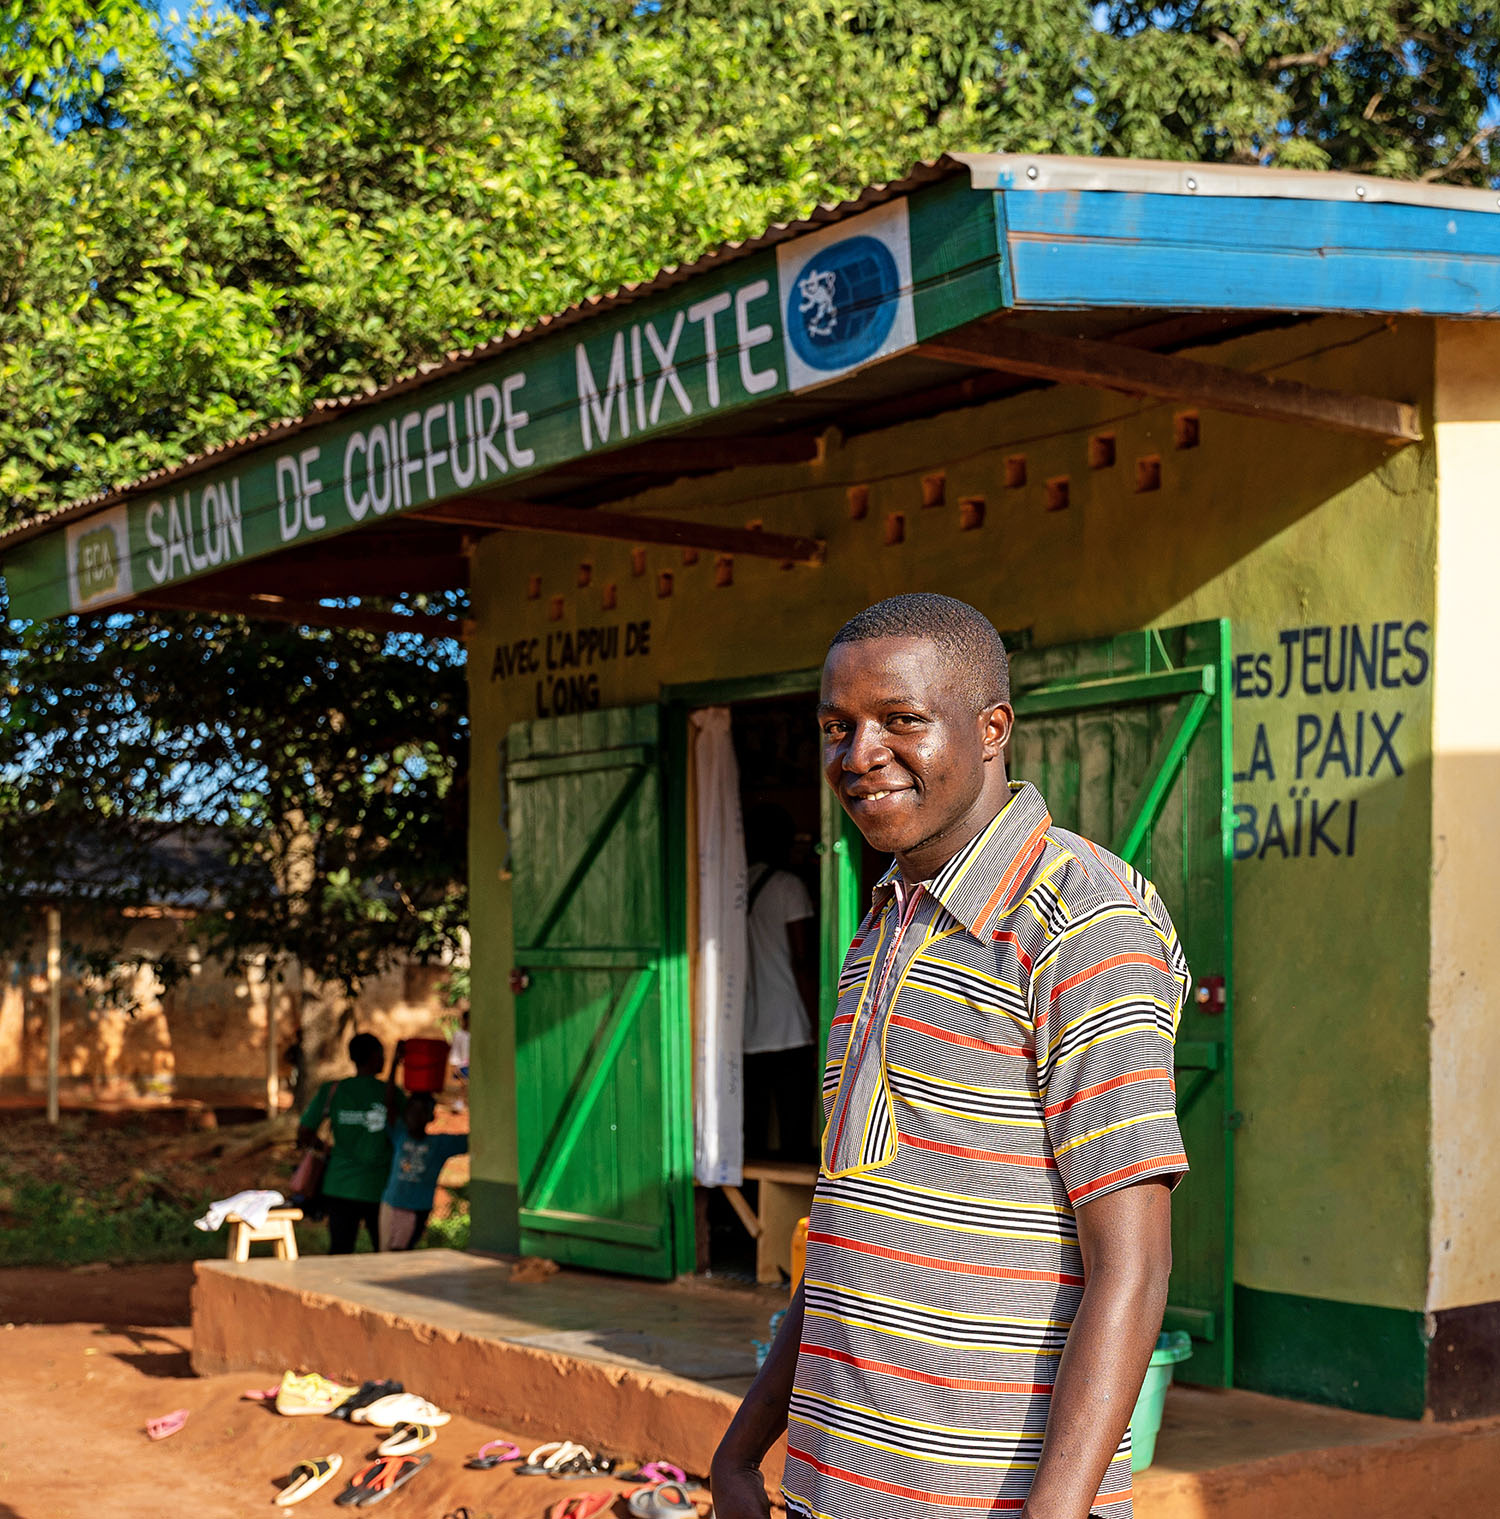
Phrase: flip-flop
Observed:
(399, 1408)
(580, 1506)
(545, 1457)
(665, 1500)
(663, 1471)
(168, 1424)
(491, 1454)
(307, 1477)
(406, 1440)
(380, 1479)
(260, 1395)
(399, 1471)
(364, 1395)
(584, 1463)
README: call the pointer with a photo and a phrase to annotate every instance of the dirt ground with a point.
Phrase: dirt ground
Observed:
(174, 1155)
(74, 1397)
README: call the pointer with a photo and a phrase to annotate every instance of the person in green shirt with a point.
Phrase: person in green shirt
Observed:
(358, 1109)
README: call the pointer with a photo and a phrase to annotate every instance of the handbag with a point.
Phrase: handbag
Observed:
(307, 1177)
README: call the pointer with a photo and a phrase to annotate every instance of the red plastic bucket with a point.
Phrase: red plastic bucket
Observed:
(425, 1064)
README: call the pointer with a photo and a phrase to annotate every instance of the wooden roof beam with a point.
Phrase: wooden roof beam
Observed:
(308, 614)
(1112, 366)
(526, 517)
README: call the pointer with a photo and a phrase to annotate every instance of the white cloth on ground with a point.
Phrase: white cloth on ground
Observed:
(251, 1206)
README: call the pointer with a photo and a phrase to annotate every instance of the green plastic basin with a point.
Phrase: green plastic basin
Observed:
(1146, 1420)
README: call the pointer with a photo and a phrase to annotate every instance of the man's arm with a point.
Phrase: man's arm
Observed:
(739, 1489)
(1126, 1239)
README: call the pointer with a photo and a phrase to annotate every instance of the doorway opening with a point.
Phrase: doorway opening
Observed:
(746, 1230)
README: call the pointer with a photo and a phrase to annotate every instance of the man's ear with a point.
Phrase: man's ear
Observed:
(998, 722)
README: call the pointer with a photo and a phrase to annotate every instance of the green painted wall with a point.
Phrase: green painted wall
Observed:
(1281, 529)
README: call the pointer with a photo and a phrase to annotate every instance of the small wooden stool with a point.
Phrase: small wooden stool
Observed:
(277, 1228)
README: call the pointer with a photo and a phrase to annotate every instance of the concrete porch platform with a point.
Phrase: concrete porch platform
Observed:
(656, 1369)
(641, 1368)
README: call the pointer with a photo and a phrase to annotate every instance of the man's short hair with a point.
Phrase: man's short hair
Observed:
(975, 651)
(366, 1049)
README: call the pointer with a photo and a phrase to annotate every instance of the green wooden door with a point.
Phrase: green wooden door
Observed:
(600, 1078)
(1128, 739)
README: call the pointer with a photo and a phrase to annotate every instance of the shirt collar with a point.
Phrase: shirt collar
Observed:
(982, 879)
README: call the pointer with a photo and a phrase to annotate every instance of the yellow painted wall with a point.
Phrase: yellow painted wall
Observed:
(206, 1035)
(1282, 529)
(1466, 823)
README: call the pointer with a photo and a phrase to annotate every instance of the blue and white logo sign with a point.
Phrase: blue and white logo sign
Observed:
(846, 296)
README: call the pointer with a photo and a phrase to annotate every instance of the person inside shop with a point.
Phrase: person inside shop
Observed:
(990, 1235)
(417, 1159)
(780, 1070)
(358, 1110)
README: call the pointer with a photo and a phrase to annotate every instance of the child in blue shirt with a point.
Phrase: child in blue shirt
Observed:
(416, 1160)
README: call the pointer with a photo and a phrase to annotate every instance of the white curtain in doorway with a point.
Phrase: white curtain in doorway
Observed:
(723, 954)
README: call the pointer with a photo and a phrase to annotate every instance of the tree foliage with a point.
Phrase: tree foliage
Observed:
(209, 225)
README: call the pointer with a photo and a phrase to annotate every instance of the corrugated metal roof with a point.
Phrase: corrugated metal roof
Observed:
(923, 173)
(987, 171)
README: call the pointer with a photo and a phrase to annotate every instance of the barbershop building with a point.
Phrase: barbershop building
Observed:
(1215, 449)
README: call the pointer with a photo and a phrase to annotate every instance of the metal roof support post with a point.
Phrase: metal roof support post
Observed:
(54, 1009)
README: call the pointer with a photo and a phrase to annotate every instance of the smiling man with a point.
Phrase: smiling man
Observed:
(991, 1236)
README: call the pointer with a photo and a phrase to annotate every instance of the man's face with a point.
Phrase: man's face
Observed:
(905, 750)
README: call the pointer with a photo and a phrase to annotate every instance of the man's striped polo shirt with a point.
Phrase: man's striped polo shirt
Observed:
(1001, 1054)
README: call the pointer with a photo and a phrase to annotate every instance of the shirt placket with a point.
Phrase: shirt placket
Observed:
(863, 1086)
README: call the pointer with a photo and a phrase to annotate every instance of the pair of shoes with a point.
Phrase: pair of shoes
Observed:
(565, 1458)
(306, 1478)
(399, 1408)
(493, 1453)
(377, 1481)
(407, 1440)
(662, 1500)
(367, 1393)
(310, 1394)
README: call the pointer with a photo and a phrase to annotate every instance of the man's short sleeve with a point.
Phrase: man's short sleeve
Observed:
(789, 897)
(316, 1110)
(1105, 999)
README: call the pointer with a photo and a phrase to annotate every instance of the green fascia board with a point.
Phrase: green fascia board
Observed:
(1319, 1350)
(734, 336)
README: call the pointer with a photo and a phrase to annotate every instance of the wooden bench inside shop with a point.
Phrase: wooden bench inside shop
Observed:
(278, 1229)
(786, 1193)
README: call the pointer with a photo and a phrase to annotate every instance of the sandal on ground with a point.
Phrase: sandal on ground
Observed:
(491, 1454)
(407, 1440)
(544, 1458)
(380, 1479)
(580, 1506)
(364, 1395)
(664, 1500)
(260, 1394)
(399, 1408)
(584, 1464)
(306, 1478)
(168, 1424)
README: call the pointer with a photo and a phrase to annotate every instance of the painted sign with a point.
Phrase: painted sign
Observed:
(1341, 696)
(846, 297)
(98, 550)
(773, 323)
